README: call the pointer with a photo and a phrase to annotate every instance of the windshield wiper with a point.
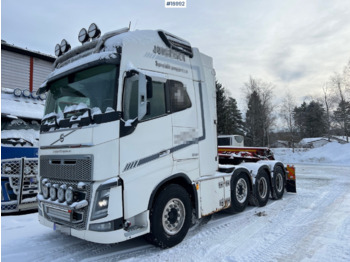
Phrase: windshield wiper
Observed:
(76, 114)
(51, 118)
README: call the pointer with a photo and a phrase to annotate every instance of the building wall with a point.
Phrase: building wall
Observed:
(23, 69)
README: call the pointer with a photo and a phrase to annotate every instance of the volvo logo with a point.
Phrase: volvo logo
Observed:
(62, 138)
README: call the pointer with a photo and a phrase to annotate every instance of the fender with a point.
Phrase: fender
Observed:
(180, 179)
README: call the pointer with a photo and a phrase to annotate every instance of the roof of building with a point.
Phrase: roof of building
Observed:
(23, 51)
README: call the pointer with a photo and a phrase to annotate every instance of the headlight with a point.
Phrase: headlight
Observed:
(61, 193)
(27, 170)
(53, 193)
(100, 209)
(69, 195)
(35, 170)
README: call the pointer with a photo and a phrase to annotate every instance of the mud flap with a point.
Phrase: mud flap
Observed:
(290, 182)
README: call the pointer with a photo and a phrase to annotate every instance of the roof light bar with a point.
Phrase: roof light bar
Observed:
(26, 93)
(94, 31)
(65, 46)
(17, 92)
(83, 36)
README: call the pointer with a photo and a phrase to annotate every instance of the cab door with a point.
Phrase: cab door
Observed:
(145, 140)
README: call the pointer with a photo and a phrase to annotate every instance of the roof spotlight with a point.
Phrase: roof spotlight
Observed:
(34, 95)
(42, 96)
(58, 51)
(83, 36)
(17, 92)
(65, 46)
(26, 93)
(94, 31)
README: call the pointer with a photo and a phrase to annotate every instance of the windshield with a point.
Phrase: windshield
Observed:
(87, 93)
(19, 131)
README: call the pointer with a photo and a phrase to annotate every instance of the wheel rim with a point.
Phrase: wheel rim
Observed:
(173, 217)
(241, 190)
(279, 182)
(262, 187)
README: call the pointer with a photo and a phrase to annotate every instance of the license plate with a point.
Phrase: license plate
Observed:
(62, 229)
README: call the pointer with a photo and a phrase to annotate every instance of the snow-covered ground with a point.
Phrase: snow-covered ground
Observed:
(312, 225)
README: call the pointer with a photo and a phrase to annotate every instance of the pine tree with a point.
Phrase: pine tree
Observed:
(229, 118)
(254, 121)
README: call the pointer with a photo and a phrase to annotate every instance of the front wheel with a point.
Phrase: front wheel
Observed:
(170, 217)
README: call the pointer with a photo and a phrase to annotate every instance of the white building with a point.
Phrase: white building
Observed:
(24, 69)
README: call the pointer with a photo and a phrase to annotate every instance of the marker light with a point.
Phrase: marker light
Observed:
(65, 46)
(94, 31)
(17, 92)
(83, 36)
(58, 51)
(26, 93)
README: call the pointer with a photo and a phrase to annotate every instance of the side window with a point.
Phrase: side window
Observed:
(179, 99)
(130, 99)
(156, 104)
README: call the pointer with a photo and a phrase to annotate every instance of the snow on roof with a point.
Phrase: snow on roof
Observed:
(21, 106)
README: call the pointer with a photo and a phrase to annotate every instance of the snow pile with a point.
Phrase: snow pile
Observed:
(23, 135)
(332, 153)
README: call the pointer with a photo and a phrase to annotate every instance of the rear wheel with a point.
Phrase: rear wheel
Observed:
(279, 180)
(262, 189)
(170, 217)
(240, 192)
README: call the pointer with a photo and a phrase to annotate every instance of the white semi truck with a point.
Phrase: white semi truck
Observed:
(128, 143)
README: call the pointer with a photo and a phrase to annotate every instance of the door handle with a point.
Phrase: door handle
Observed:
(164, 153)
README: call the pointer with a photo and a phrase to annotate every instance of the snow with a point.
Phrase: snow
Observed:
(21, 106)
(312, 225)
(30, 135)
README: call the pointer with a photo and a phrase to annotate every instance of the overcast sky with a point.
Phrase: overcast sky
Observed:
(294, 44)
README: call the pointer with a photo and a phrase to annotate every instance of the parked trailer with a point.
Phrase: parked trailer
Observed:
(128, 143)
(21, 113)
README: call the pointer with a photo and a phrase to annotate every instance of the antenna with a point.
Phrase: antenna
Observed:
(129, 25)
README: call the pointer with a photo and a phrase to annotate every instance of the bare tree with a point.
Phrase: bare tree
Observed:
(287, 114)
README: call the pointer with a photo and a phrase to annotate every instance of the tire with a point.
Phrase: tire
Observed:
(170, 217)
(279, 181)
(240, 193)
(261, 189)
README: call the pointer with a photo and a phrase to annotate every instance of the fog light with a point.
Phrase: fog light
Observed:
(45, 190)
(61, 193)
(69, 195)
(53, 193)
(107, 226)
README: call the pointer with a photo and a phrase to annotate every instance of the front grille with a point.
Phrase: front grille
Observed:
(11, 167)
(22, 176)
(72, 167)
